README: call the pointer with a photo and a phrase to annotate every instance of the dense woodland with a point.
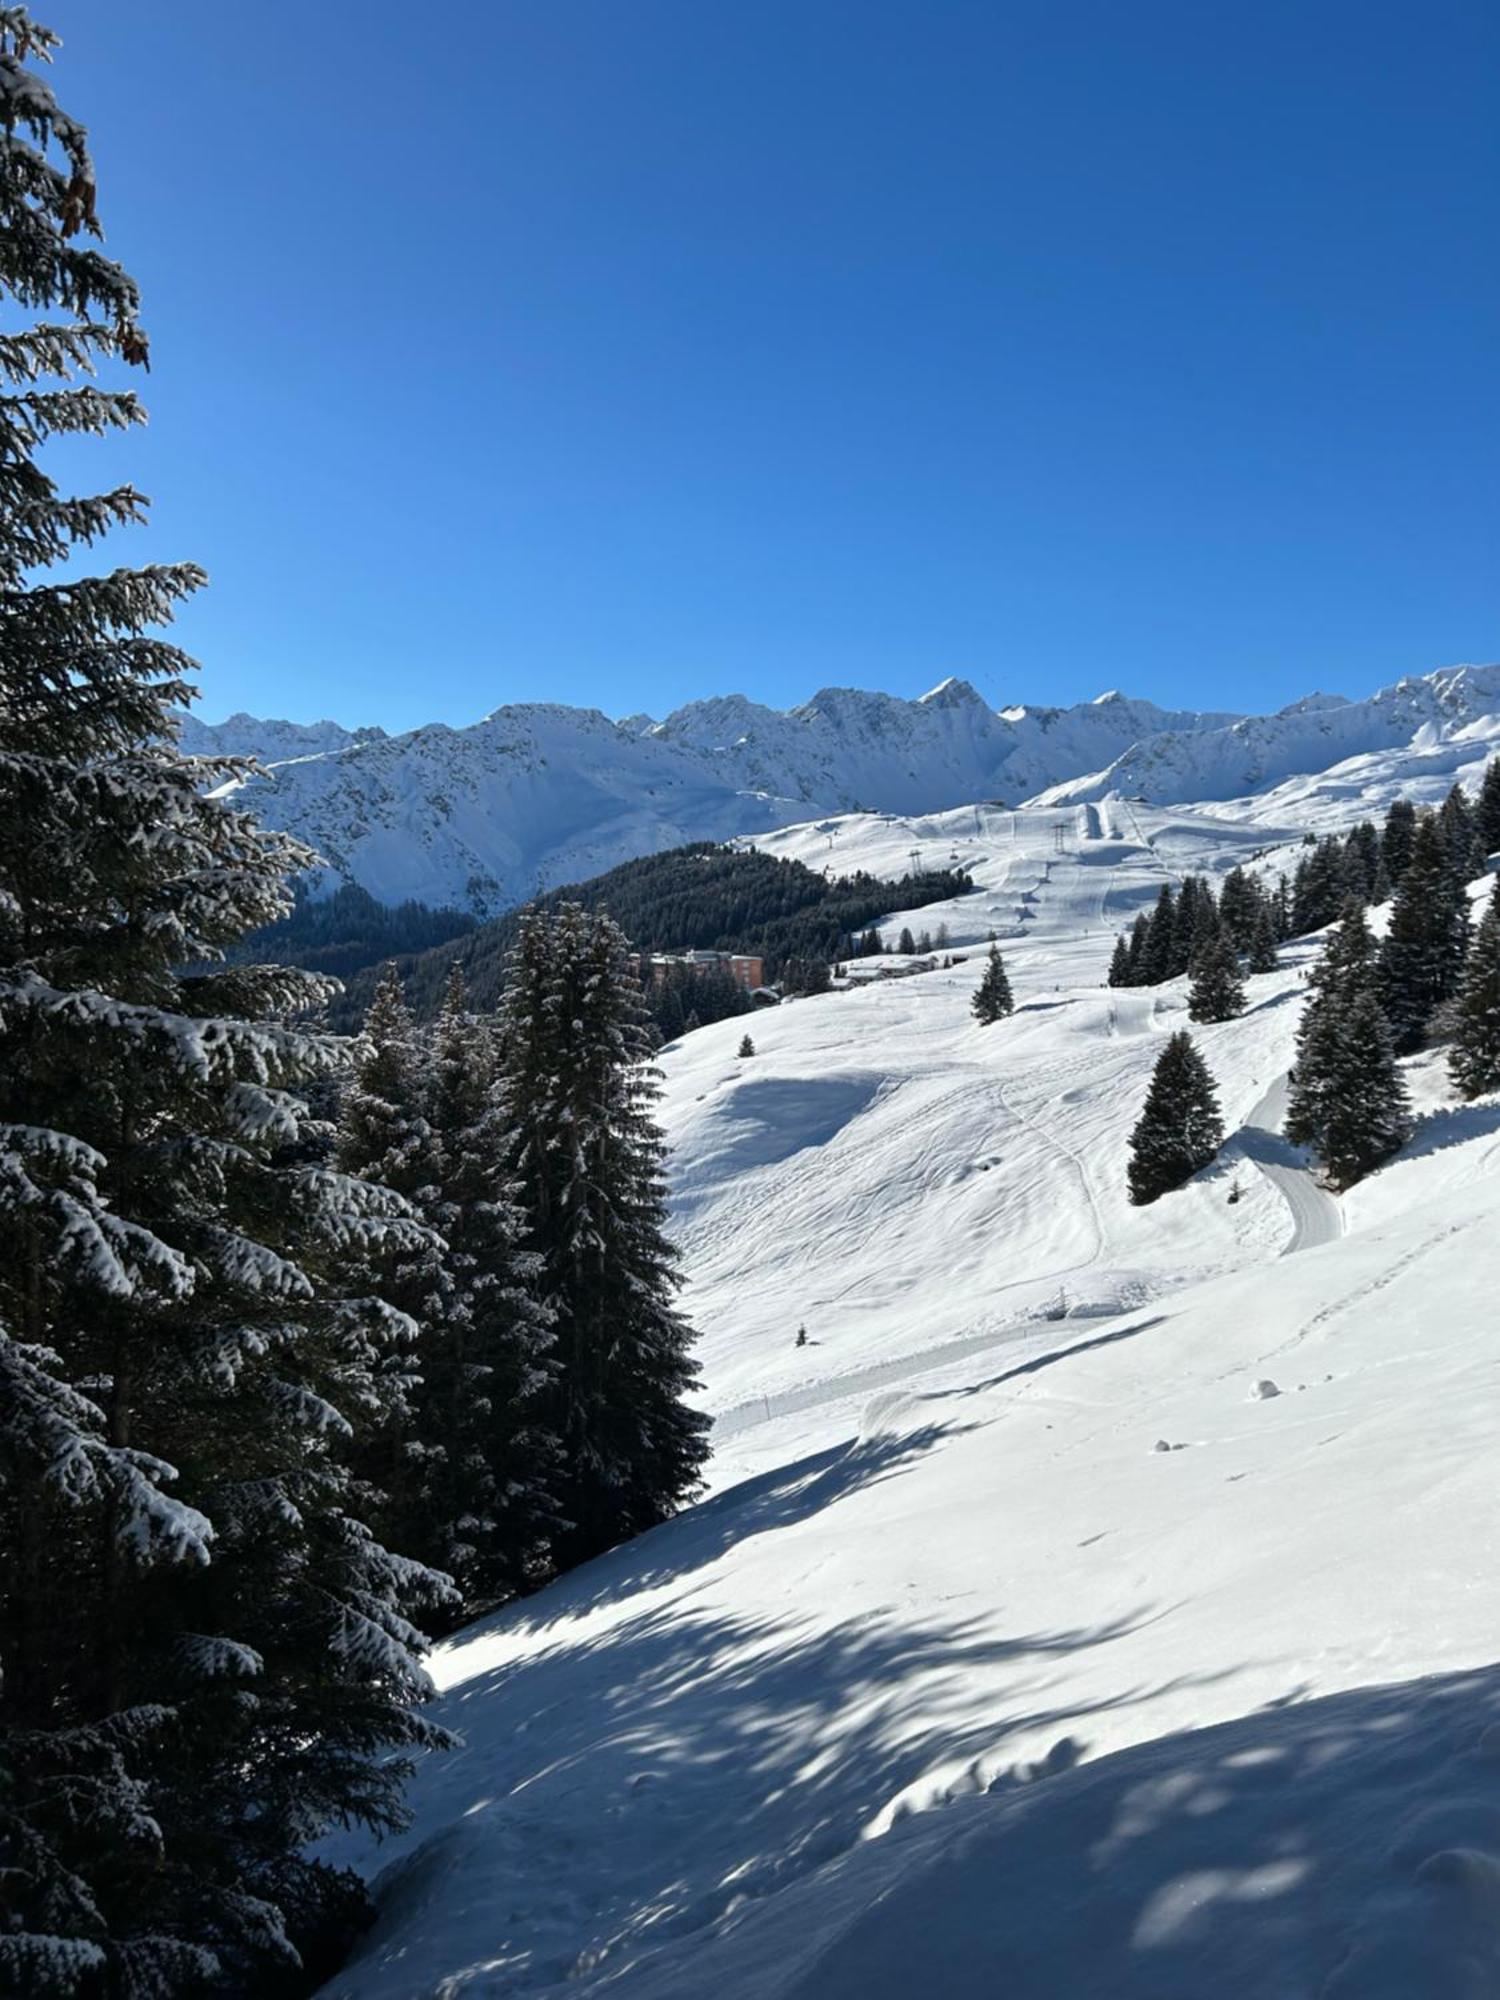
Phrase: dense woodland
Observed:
(701, 897)
(343, 933)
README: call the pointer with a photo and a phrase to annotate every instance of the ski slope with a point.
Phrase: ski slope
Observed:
(1101, 1604)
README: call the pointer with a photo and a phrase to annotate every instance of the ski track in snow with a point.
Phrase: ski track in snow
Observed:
(1317, 1214)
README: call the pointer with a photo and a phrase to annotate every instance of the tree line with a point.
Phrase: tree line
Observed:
(1433, 976)
(347, 931)
(700, 897)
(305, 1347)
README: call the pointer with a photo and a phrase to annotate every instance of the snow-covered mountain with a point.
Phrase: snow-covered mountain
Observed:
(242, 735)
(1101, 1603)
(1256, 752)
(847, 750)
(538, 794)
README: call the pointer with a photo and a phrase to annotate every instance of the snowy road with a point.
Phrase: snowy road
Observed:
(1317, 1216)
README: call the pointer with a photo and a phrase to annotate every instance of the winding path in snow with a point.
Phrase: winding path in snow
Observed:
(1317, 1216)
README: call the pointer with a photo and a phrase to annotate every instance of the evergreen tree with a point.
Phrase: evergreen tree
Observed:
(906, 944)
(1197, 924)
(578, 1092)
(1474, 1061)
(1348, 1101)
(992, 996)
(1349, 964)
(1180, 1129)
(482, 1505)
(1281, 909)
(1160, 944)
(1119, 964)
(1487, 811)
(206, 1656)
(1322, 884)
(1397, 839)
(1456, 818)
(1364, 866)
(746, 1048)
(1422, 957)
(1263, 940)
(384, 1139)
(1140, 931)
(1217, 992)
(1240, 902)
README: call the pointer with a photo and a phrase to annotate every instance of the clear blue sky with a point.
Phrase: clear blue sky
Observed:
(622, 351)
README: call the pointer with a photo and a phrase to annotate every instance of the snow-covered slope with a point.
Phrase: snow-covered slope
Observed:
(541, 794)
(1144, 1652)
(1258, 752)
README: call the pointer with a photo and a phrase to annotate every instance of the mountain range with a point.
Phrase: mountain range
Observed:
(537, 794)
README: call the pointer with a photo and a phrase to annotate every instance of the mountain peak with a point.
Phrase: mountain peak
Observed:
(954, 693)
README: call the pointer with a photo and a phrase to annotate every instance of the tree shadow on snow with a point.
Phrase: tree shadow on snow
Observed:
(1039, 1362)
(1346, 1848)
(1452, 1125)
(676, 1765)
(770, 1500)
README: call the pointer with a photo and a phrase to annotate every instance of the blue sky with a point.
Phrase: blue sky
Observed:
(627, 351)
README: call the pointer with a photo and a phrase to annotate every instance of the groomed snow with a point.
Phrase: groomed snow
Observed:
(1146, 1651)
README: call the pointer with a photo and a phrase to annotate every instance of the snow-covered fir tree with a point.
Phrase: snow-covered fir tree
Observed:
(384, 1139)
(1364, 865)
(992, 997)
(1323, 881)
(578, 1090)
(1397, 838)
(1240, 903)
(1350, 961)
(1180, 1129)
(1422, 957)
(1217, 992)
(1474, 1061)
(1140, 931)
(1456, 818)
(1348, 1101)
(1198, 924)
(1487, 810)
(1263, 939)
(1159, 945)
(207, 1658)
(488, 1508)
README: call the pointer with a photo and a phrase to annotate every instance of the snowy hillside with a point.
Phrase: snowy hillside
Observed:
(537, 795)
(1258, 752)
(1101, 1604)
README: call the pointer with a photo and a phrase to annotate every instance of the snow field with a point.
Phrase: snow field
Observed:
(1143, 1652)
